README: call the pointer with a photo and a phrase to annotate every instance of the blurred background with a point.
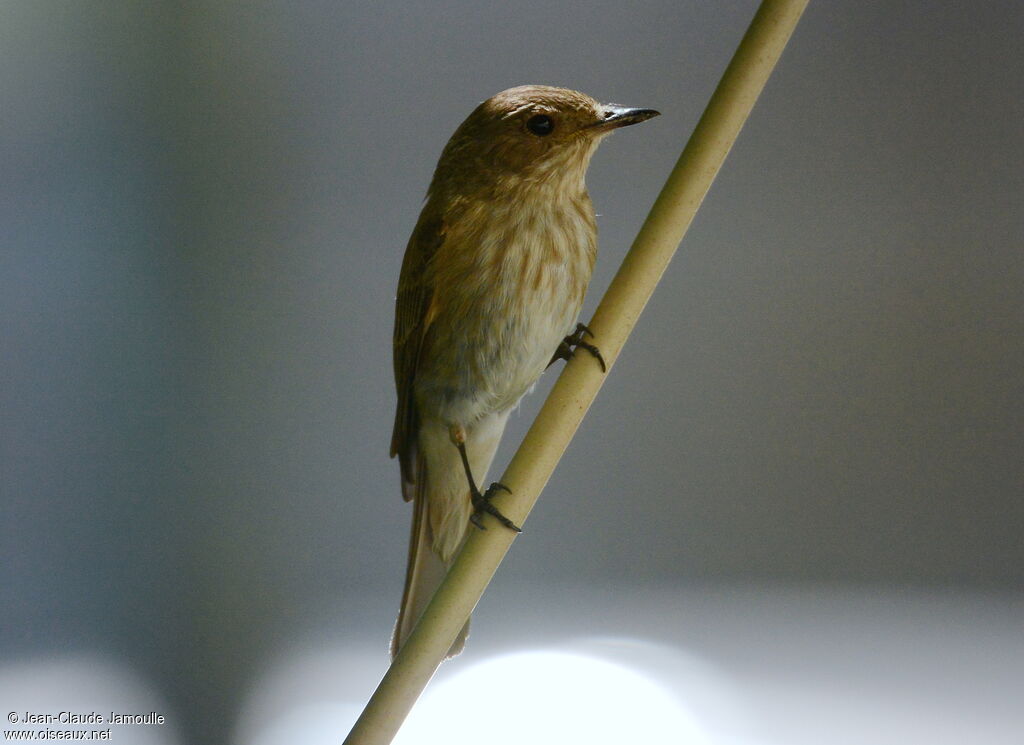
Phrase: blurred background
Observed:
(794, 514)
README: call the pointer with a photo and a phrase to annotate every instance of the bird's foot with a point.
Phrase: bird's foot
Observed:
(482, 504)
(577, 340)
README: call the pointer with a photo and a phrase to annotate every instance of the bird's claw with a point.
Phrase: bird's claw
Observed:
(577, 340)
(482, 504)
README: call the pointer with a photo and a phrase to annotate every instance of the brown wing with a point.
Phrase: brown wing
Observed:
(411, 306)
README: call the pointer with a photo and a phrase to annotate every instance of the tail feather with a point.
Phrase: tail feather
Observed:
(423, 575)
(441, 511)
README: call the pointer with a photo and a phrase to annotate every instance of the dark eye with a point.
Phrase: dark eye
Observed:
(541, 125)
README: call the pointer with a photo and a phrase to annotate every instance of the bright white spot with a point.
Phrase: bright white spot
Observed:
(549, 697)
(314, 724)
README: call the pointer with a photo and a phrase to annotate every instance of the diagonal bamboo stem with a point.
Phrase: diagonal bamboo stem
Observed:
(576, 388)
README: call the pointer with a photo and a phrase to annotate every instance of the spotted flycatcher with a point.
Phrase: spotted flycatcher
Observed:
(492, 281)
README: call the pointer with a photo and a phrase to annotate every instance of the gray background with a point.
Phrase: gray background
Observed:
(203, 209)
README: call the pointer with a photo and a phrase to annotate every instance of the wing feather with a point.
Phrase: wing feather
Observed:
(411, 322)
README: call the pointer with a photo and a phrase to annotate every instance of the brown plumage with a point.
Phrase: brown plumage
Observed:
(492, 281)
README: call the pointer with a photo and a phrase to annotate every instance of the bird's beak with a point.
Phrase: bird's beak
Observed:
(614, 117)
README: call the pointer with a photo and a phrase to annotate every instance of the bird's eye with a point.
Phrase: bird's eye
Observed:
(541, 125)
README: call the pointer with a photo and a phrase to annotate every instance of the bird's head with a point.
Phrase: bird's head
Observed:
(533, 135)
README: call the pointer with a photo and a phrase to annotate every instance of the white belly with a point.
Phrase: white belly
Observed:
(499, 330)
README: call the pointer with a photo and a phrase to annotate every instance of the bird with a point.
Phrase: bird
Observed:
(491, 284)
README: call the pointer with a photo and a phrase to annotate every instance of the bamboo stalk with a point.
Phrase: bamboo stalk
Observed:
(576, 388)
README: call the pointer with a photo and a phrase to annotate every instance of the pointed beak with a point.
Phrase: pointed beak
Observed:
(614, 117)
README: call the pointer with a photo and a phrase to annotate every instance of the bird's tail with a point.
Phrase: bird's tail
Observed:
(424, 573)
(441, 511)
